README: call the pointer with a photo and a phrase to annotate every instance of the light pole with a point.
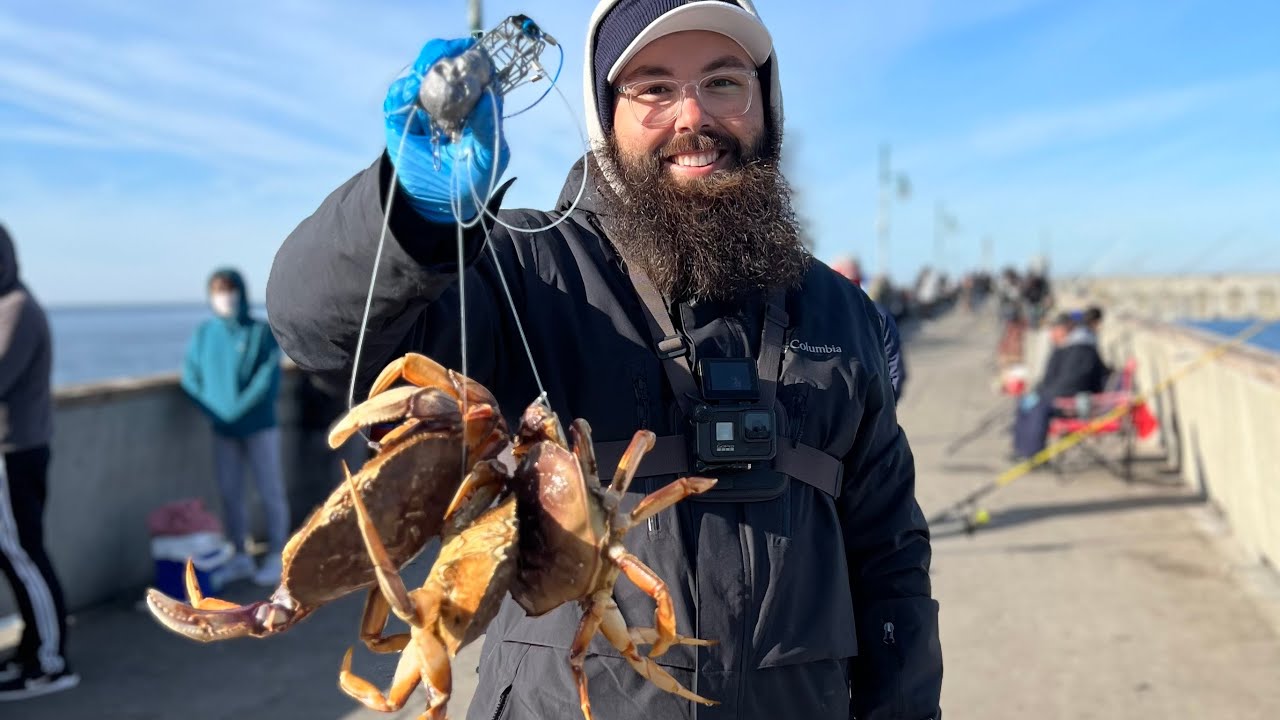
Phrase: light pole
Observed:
(887, 182)
(943, 223)
(475, 16)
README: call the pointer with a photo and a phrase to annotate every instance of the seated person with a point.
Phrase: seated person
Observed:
(1074, 367)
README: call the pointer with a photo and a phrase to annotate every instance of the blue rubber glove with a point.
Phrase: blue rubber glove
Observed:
(430, 190)
(1029, 401)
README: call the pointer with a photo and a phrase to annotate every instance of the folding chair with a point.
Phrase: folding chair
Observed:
(1073, 414)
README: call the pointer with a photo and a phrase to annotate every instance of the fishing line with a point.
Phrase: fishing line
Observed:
(517, 62)
(582, 187)
(373, 277)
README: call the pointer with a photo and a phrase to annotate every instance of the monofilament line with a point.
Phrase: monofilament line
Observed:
(373, 277)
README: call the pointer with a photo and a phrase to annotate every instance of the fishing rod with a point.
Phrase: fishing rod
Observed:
(972, 515)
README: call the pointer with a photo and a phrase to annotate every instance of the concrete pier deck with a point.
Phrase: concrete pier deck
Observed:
(1084, 597)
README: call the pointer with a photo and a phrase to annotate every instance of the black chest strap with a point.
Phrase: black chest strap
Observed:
(670, 455)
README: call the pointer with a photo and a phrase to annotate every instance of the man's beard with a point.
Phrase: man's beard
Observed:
(713, 238)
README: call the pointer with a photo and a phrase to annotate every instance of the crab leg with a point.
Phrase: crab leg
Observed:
(389, 580)
(614, 628)
(668, 495)
(475, 494)
(647, 636)
(580, 431)
(197, 598)
(422, 371)
(210, 619)
(408, 675)
(373, 620)
(641, 443)
(664, 615)
(587, 628)
(438, 673)
(431, 406)
(432, 656)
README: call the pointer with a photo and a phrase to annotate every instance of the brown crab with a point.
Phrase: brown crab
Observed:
(571, 531)
(448, 424)
(453, 607)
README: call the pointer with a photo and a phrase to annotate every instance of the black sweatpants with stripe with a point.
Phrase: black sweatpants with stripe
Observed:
(23, 488)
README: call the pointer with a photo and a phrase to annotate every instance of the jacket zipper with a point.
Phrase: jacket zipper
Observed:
(502, 703)
(641, 390)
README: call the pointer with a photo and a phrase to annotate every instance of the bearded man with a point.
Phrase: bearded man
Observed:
(676, 283)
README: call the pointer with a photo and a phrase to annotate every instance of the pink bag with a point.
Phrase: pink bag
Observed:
(182, 517)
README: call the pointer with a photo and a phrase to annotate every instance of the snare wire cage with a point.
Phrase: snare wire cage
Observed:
(503, 59)
(514, 47)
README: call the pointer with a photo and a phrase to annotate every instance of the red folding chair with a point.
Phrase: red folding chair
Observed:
(1074, 414)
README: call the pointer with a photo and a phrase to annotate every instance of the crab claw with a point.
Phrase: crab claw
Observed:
(207, 625)
(431, 408)
(425, 372)
(211, 619)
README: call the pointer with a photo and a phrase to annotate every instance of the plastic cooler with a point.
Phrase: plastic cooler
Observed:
(207, 550)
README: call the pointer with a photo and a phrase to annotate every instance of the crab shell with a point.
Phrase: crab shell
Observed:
(474, 571)
(325, 559)
(563, 528)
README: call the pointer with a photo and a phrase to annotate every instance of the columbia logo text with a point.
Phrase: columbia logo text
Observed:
(815, 349)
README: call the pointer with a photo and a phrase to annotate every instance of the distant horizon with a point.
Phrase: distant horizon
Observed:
(260, 303)
(136, 304)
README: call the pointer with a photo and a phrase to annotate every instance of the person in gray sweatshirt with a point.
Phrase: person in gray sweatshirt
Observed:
(39, 666)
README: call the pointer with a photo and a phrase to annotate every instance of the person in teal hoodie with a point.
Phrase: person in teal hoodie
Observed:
(232, 371)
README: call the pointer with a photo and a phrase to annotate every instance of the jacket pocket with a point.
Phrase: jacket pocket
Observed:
(898, 672)
(500, 663)
(805, 609)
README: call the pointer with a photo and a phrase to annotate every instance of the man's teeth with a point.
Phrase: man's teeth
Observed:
(696, 159)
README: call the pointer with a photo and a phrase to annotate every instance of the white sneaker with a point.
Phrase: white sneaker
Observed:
(269, 574)
(239, 567)
(23, 688)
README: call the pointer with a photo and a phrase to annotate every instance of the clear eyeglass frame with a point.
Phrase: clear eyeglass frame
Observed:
(656, 114)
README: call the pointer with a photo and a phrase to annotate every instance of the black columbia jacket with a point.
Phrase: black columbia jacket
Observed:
(808, 594)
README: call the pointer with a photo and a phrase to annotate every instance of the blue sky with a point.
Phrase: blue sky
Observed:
(142, 142)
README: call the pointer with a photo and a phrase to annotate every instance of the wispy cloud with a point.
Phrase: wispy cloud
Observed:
(203, 132)
(149, 97)
(1027, 131)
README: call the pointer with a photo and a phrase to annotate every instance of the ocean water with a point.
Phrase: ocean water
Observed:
(92, 344)
(1267, 339)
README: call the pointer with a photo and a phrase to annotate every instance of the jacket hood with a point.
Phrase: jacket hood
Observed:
(595, 132)
(237, 281)
(8, 262)
(573, 183)
(1080, 336)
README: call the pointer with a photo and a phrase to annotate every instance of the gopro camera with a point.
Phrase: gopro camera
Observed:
(731, 427)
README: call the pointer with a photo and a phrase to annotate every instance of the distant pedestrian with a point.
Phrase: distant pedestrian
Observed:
(889, 333)
(40, 664)
(232, 371)
(1074, 367)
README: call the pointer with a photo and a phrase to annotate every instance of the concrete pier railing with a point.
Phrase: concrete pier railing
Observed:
(121, 449)
(1219, 424)
(1201, 297)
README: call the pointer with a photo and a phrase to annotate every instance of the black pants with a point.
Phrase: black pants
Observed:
(23, 487)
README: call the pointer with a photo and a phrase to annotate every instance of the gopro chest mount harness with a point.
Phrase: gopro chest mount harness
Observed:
(731, 417)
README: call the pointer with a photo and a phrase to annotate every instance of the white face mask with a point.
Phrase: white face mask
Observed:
(224, 303)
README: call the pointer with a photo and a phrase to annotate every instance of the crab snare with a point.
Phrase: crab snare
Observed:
(502, 60)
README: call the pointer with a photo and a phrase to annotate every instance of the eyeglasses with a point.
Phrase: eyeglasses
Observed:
(657, 103)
